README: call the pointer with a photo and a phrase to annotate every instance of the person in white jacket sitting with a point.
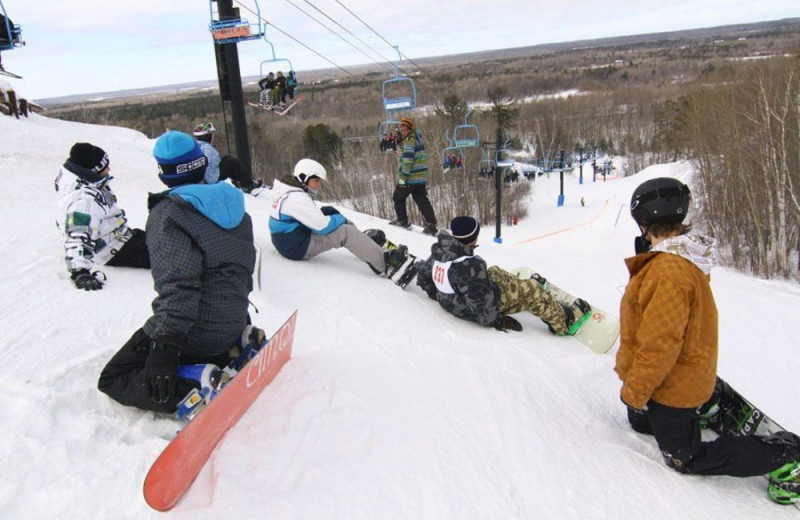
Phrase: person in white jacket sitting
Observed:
(300, 230)
(95, 229)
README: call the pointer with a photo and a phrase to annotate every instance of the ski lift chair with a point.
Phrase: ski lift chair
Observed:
(236, 29)
(502, 155)
(399, 94)
(451, 150)
(12, 31)
(266, 63)
(387, 127)
(466, 135)
(503, 160)
(486, 167)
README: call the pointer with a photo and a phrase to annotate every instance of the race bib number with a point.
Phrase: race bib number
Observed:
(440, 279)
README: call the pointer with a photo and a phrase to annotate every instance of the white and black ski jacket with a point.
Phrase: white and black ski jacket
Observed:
(94, 227)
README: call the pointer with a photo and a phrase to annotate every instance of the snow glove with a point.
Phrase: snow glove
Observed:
(87, 280)
(161, 367)
(506, 323)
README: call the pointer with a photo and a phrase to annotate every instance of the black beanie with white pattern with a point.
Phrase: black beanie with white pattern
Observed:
(465, 229)
(87, 161)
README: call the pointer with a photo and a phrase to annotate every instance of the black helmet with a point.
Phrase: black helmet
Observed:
(663, 200)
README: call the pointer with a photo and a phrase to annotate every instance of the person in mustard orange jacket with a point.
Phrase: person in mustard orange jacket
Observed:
(667, 359)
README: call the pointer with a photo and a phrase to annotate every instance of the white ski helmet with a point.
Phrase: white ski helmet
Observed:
(305, 169)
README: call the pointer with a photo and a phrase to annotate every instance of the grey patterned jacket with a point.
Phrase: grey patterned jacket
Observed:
(464, 287)
(202, 255)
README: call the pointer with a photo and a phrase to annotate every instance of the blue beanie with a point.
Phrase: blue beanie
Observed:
(180, 159)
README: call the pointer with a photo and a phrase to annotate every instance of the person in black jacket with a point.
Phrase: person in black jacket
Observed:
(202, 258)
(266, 84)
(463, 285)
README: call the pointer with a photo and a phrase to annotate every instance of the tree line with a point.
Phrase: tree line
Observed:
(707, 101)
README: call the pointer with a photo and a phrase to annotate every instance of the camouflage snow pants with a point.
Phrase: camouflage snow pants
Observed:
(526, 295)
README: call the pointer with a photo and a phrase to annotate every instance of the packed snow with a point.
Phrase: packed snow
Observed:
(390, 408)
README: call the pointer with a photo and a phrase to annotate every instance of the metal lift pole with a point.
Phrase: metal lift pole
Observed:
(230, 55)
(498, 188)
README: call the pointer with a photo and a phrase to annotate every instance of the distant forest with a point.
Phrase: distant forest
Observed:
(728, 100)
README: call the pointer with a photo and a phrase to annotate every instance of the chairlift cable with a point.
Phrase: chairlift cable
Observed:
(381, 37)
(298, 41)
(413, 63)
(365, 23)
(331, 30)
(365, 44)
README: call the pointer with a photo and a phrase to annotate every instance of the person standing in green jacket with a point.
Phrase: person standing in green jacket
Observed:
(412, 179)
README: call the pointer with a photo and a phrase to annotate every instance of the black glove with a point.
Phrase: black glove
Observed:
(329, 210)
(506, 323)
(86, 280)
(161, 367)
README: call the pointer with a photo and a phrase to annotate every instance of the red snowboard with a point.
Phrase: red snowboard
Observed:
(181, 461)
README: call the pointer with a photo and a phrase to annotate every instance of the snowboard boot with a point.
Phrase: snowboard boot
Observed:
(394, 257)
(377, 235)
(208, 381)
(710, 418)
(784, 484)
(401, 223)
(576, 315)
(430, 229)
(247, 346)
(541, 280)
(256, 184)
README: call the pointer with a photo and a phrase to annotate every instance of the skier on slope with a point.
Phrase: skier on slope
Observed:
(300, 230)
(225, 167)
(201, 246)
(460, 281)
(667, 359)
(95, 229)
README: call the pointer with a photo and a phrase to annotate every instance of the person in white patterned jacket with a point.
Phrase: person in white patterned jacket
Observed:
(95, 229)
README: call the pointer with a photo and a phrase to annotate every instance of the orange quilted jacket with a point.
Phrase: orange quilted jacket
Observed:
(668, 336)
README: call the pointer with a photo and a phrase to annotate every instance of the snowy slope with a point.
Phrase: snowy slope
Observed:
(390, 408)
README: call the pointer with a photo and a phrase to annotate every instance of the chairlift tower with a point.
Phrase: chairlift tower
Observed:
(227, 30)
(502, 161)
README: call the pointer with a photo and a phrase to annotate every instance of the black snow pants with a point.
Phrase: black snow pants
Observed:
(133, 253)
(419, 192)
(677, 432)
(123, 380)
(232, 168)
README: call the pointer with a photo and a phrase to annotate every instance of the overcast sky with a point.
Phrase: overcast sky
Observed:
(84, 46)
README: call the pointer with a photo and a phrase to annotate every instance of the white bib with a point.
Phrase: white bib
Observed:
(439, 275)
